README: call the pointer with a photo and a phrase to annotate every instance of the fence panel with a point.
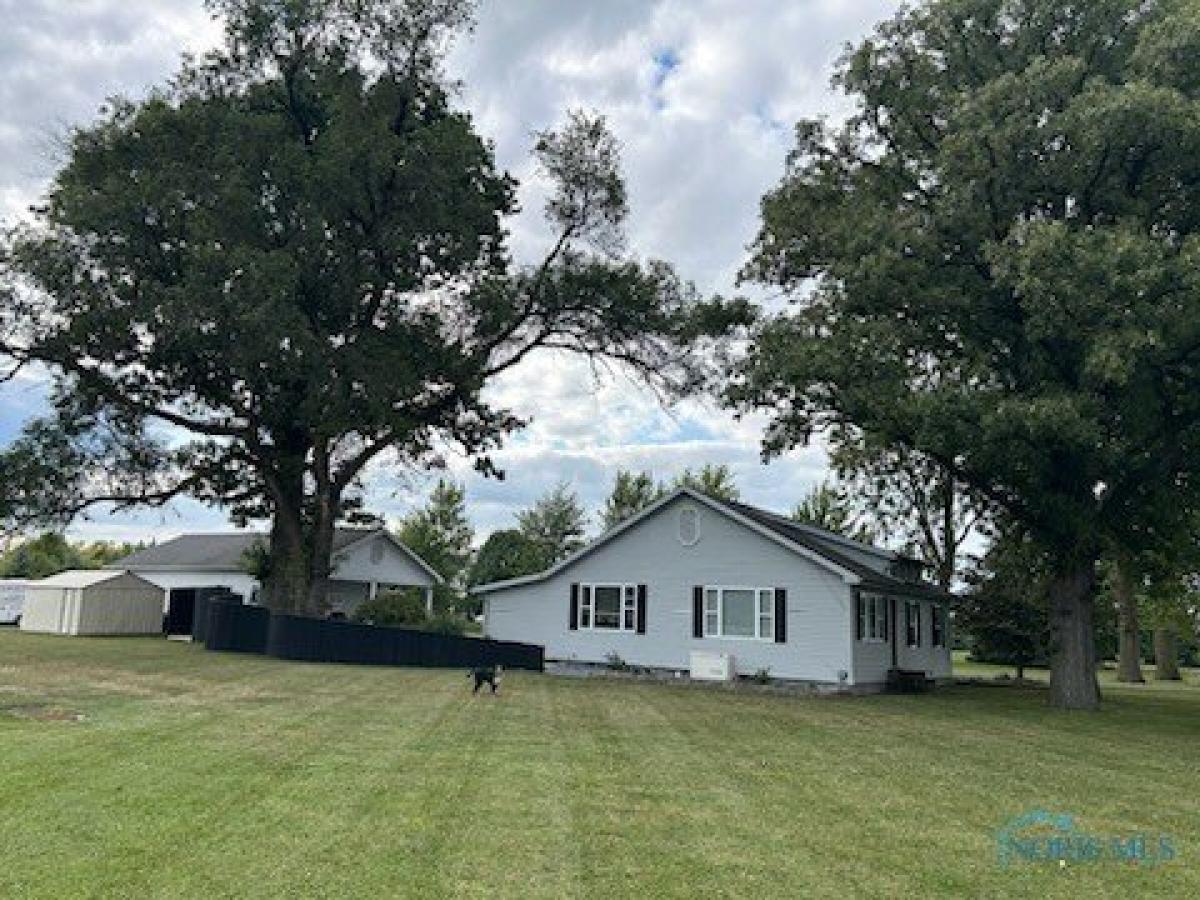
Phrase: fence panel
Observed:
(320, 640)
(234, 626)
(204, 600)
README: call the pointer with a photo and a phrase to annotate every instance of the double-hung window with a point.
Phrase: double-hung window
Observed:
(608, 607)
(736, 612)
(912, 621)
(872, 618)
(937, 621)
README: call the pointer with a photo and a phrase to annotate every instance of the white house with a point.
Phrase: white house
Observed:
(691, 573)
(365, 561)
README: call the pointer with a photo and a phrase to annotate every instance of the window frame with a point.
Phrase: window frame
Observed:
(873, 618)
(937, 626)
(912, 624)
(626, 606)
(764, 610)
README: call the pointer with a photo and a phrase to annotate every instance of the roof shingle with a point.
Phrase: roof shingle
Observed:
(215, 551)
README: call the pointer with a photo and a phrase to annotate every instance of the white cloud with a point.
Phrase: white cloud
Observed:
(704, 133)
(61, 61)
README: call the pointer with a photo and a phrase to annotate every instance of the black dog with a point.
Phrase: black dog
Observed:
(489, 675)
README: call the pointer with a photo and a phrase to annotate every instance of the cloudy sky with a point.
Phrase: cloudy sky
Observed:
(702, 95)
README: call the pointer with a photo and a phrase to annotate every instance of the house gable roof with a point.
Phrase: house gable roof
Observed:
(813, 543)
(352, 537)
(830, 544)
(226, 551)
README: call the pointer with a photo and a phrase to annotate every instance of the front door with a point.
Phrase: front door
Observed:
(181, 611)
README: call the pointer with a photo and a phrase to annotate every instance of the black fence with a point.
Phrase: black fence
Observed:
(252, 629)
(234, 626)
(200, 620)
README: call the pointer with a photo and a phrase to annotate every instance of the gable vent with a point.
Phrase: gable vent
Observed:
(689, 526)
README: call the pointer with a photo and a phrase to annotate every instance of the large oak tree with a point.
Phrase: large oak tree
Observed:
(996, 264)
(914, 503)
(290, 265)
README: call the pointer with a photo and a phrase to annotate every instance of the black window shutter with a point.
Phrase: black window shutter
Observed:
(698, 611)
(641, 609)
(858, 618)
(918, 608)
(574, 623)
(781, 615)
(887, 618)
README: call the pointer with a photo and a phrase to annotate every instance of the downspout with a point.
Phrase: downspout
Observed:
(854, 603)
(895, 626)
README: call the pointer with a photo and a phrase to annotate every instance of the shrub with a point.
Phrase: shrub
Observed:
(406, 609)
(614, 662)
(444, 623)
(400, 609)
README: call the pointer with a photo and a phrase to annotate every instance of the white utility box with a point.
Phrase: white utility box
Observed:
(709, 666)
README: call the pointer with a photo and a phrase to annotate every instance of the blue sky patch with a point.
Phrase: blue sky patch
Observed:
(666, 61)
(20, 401)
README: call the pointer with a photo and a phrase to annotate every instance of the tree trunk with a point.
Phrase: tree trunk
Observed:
(1073, 682)
(1166, 655)
(286, 589)
(287, 585)
(945, 575)
(1129, 649)
(302, 527)
(320, 560)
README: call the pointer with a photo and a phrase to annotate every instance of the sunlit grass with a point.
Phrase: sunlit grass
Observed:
(964, 667)
(138, 768)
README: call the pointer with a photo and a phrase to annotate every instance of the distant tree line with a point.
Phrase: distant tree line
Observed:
(51, 552)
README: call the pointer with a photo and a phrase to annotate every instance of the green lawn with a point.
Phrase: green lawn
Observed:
(965, 668)
(192, 774)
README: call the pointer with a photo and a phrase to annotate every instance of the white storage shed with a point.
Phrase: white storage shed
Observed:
(83, 601)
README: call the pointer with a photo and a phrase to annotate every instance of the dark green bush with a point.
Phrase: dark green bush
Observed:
(406, 609)
(444, 623)
(401, 609)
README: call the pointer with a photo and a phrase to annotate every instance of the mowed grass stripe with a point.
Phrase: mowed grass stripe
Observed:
(213, 775)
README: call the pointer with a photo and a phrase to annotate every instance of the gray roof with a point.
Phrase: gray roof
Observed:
(807, 539)
(826, 544)
(216, 551)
